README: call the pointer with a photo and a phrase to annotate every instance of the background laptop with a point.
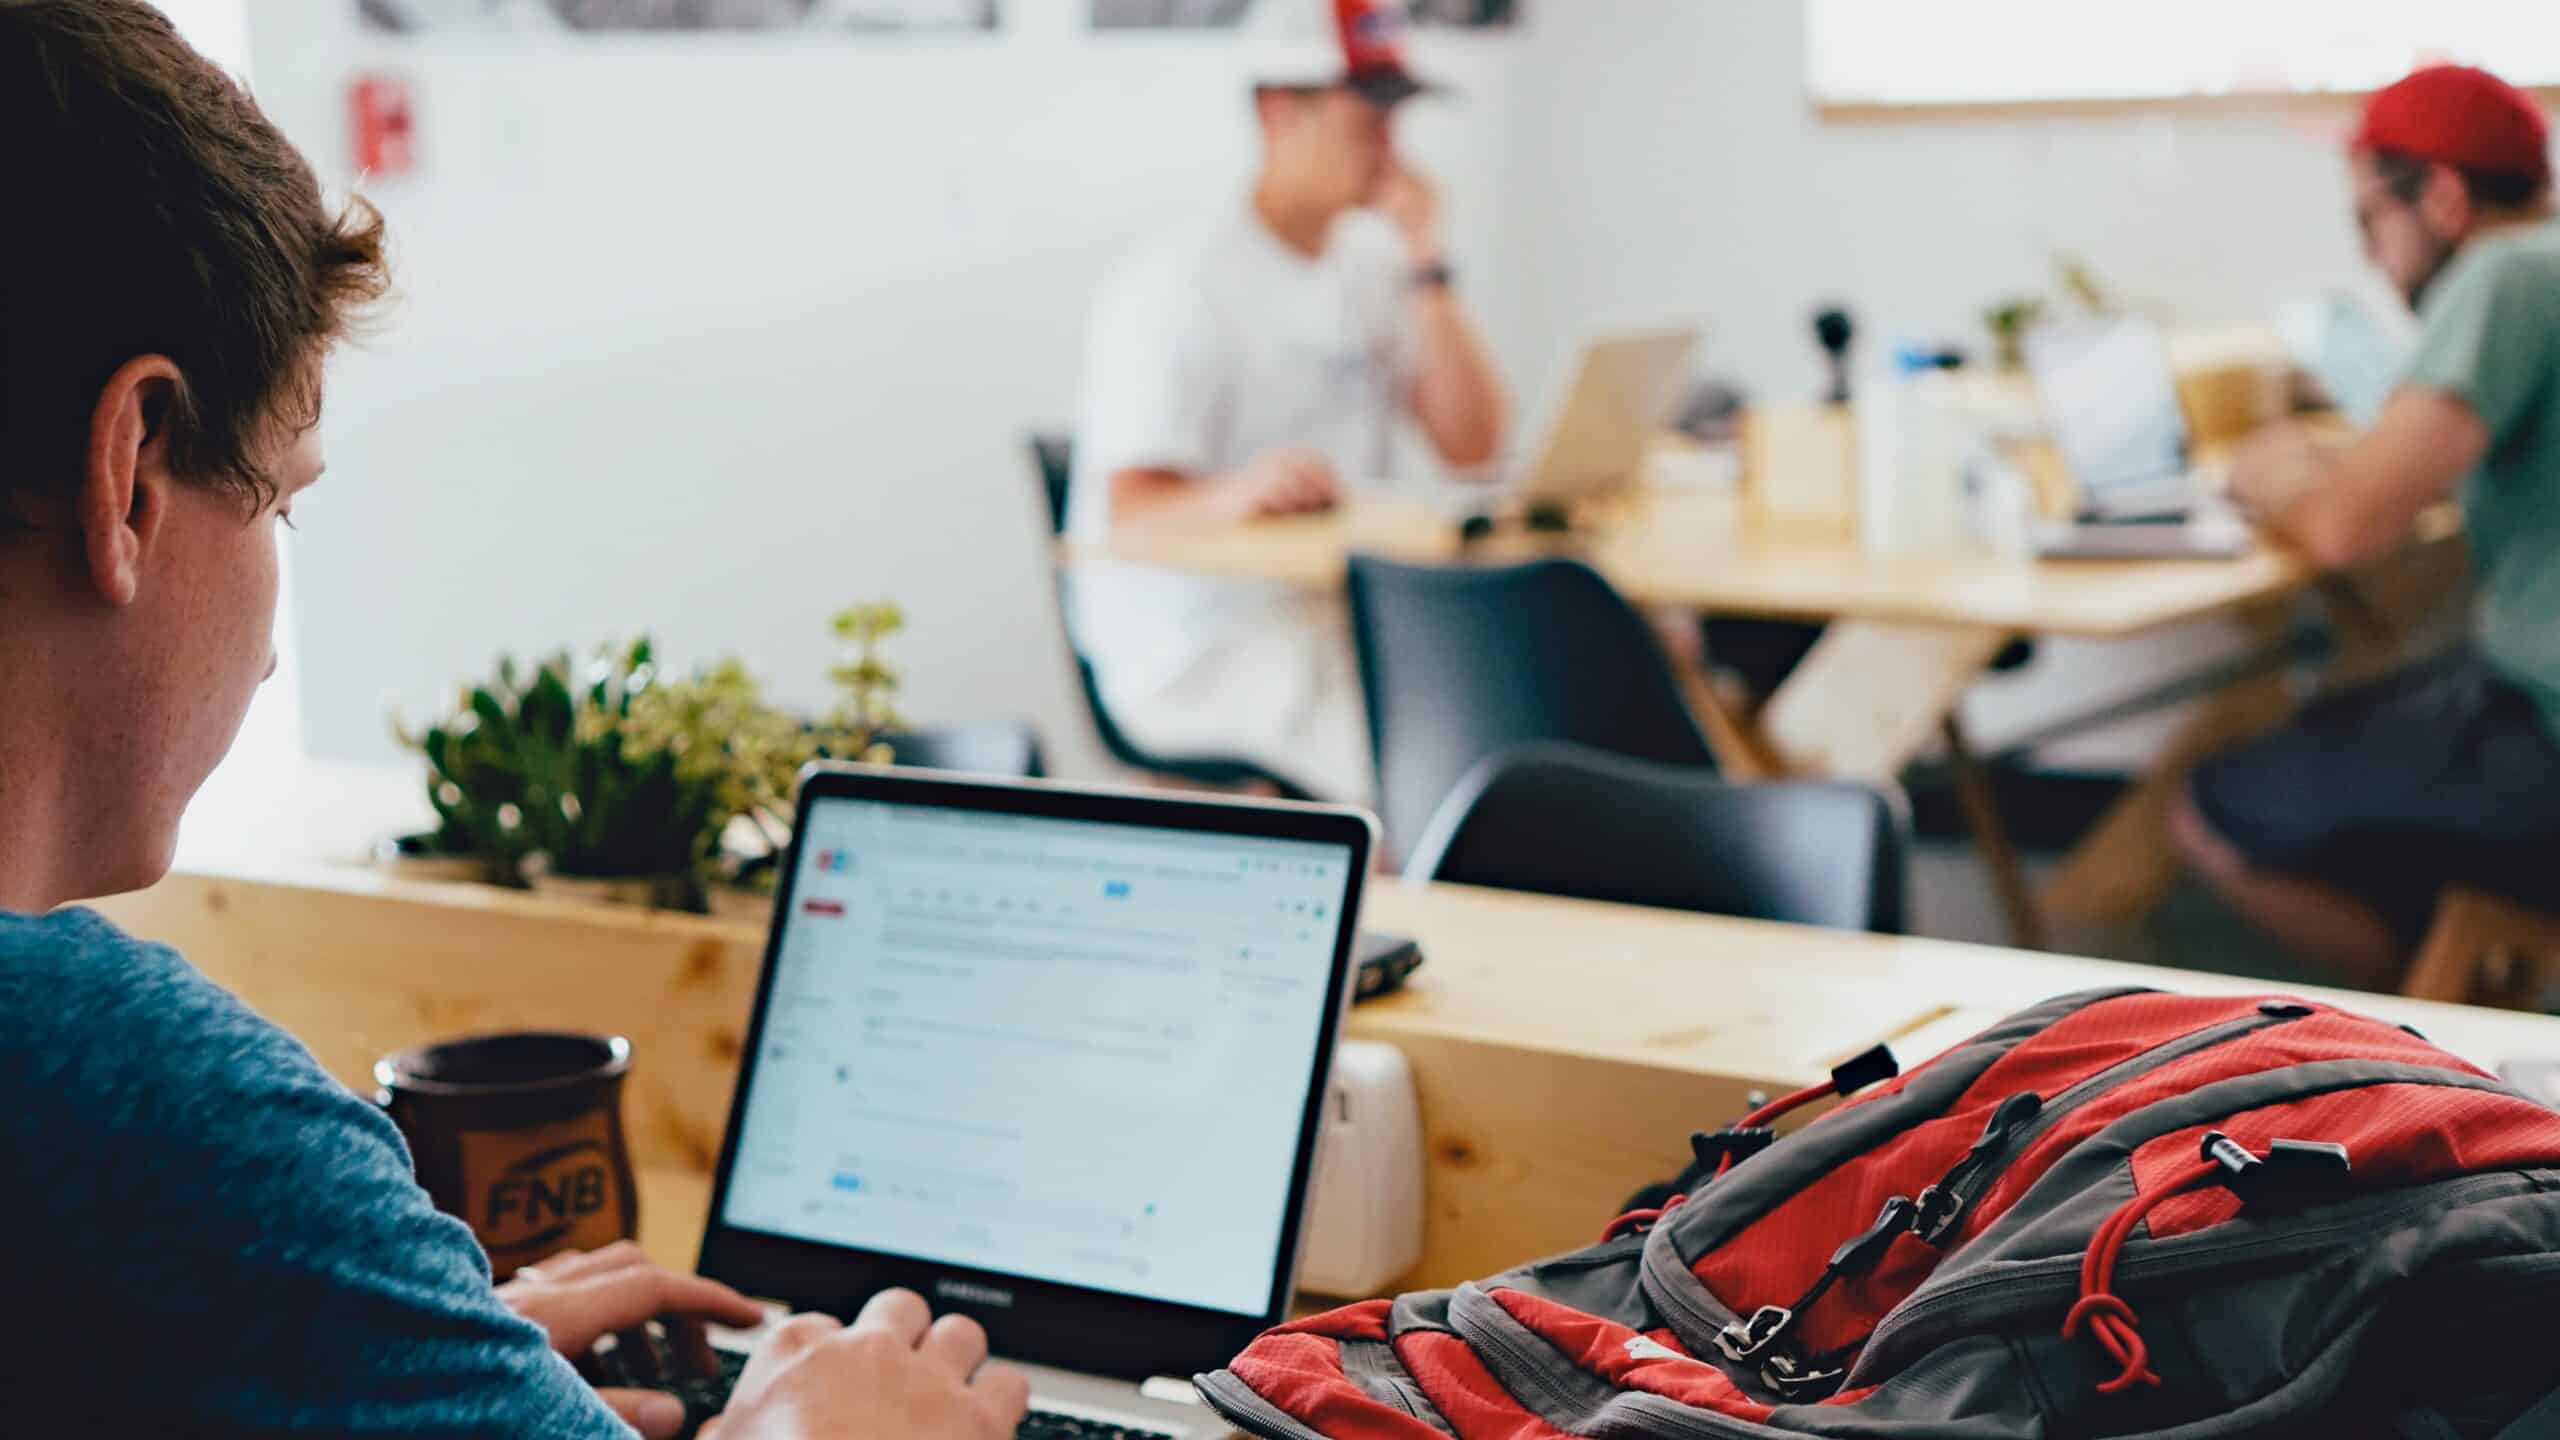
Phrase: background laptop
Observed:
(1054, 1059)
(1600, 421)
(2110, 400)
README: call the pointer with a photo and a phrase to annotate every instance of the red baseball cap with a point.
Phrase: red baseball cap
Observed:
(1356, 44)
(2461, 116)
(1373, 51)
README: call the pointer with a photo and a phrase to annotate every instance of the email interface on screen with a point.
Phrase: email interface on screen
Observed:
(1049, 1048)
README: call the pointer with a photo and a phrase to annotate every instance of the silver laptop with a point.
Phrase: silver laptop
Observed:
(1053, 1058)
(2110, 400)
(1599, 423)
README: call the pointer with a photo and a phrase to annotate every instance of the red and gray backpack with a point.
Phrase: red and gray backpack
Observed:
(2117, 1213)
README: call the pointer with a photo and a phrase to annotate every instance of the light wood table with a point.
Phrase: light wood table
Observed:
(1908, 635)
(1701, 550)
(1564, 1051)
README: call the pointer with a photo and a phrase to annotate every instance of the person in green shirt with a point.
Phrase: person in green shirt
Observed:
(2337, 833)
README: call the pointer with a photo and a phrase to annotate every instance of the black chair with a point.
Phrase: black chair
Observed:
(1053, 458)
(1006, 751)
(1458, 665)
(1566, 820)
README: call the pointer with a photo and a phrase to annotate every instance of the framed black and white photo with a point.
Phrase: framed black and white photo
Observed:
(1235, 14)
(573, 17)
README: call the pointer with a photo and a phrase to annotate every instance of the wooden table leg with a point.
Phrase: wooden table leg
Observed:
(1871, 695)
(2124, 866)
(1868, 697)
(1991, 835)
(1862, 703)
(1893, 686)
(1741, 751)
(2375, 610)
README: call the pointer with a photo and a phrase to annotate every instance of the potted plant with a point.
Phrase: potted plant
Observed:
(612, 817)
(2009, 321)
(474, 788)
(611, 780)
(865, 681)
(768, 769)
(732, 756)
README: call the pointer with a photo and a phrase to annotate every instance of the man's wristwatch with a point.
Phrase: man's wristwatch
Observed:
(1435, 276)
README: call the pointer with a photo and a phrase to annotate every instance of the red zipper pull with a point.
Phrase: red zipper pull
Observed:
(2287, 1165)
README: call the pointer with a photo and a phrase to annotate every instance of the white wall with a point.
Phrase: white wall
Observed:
(1681, 170)
(1680, 167)
(711, 336)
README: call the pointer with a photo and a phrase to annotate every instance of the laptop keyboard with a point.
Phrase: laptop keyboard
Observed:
(707, 1395)
(1041, 1425)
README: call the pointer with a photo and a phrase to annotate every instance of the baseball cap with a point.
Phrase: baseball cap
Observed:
(2461, 116)
(1356, 44)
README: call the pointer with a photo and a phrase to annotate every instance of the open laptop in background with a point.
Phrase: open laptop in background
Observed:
(1599, 420)
(2110, 400)
(1052, 1058)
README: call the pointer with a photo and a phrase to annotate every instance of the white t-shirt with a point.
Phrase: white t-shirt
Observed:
(1217, 345)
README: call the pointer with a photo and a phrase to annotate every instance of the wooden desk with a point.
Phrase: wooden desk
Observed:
(1564, 1051)
(1702, 551)
(1909, 635)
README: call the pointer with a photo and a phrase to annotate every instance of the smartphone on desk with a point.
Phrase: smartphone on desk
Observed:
(1384, 962)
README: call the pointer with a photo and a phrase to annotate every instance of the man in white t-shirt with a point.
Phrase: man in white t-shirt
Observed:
(1254, 365)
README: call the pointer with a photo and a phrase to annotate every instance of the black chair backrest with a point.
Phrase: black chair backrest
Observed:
(1458, 665)
(1564, 820)
(1055, 458)
(1002, 750)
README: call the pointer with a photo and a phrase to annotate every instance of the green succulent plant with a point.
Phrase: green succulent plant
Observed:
(538, 761)
(473, 783)
(599, 805)
(611, 768)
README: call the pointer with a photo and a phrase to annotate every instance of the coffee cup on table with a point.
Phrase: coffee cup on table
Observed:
(520, 1136)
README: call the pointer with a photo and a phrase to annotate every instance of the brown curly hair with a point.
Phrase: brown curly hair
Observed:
(155, 210)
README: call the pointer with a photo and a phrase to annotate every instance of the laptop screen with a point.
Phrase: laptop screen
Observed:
(2111, 400)
(1057, 1049)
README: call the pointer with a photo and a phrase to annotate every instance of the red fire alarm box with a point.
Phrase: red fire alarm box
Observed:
(386, 142)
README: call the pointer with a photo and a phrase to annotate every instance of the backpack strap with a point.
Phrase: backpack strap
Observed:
(2423, 1425)
(2542, 1419)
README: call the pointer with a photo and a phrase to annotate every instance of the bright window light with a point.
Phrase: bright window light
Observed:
(1996, 52)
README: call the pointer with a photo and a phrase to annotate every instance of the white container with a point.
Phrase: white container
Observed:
(1364, 1212)
(1912, 446)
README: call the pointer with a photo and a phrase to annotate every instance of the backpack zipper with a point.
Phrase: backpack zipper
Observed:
(2016, 1123)
(1523, 1374)
(2024, 1287)
(1658, 1415)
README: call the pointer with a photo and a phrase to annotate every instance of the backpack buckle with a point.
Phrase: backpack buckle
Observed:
(1723, 1149)
(1750, 1338)
(2289, 1172)
(1792, 1380)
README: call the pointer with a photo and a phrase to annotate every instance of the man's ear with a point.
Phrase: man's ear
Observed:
(1277, 107)
(125, 480)
(2444, 203)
